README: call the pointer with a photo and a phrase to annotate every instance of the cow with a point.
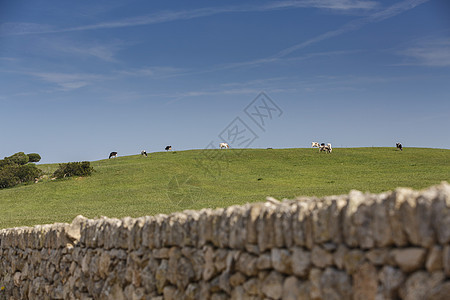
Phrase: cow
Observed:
(399, 146)
(168, 148)
(144, 153)
(315, 144)
(326, 148)
(113, 155)
(224, 145)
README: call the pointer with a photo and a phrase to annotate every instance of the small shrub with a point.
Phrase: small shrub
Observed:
(74, 169)
(34, 157)
(28, 173)
(15, 170)
(19, 158)
(8, 176)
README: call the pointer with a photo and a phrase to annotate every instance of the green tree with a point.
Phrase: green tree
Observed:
(34, 157)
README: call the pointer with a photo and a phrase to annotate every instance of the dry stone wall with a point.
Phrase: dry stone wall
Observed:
(394, 245)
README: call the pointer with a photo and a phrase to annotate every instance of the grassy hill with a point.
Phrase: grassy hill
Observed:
(172, 181)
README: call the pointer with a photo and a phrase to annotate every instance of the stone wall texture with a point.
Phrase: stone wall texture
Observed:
(394, 245)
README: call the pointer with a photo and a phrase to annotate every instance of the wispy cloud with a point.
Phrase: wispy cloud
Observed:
(157, 72)
(65, 81)
(8, 59)
(379, 16)
(342, 5)
(170, 16)
(435, 53)
(384, 14)
(87, 49)
(277, 59)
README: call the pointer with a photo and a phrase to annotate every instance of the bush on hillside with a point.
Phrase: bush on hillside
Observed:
(28, 173)
(34, 157)
(19, 158)
(8, 176)
(74, 169)
(15, 170)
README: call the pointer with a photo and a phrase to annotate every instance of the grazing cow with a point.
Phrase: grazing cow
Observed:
(113, 155)
(168, 148)
(399, 146)
(224, 145)
(326, 148)
(144, 153)
(315, 144)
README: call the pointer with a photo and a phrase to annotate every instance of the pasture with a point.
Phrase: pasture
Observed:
(165, 182)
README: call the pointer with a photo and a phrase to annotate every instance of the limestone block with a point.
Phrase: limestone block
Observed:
(350, 230)
(393, 202)
(409, 259)
(446, 260)
(265, 228)
(339, 255)
(378, 257)
(253, 216)
(365, 282)
(320, 257)
(301, 262)
(441, 213)
(415, 214)
(281, 260)
(353, 259)
(272, 286)
(264, 261)
(434, 261)
(238, 227)
(209, 269)
(419, 284)
(335, 284)
(237, 279)
(382, 231)
(247, 264)
(440, 292)
(294, 289)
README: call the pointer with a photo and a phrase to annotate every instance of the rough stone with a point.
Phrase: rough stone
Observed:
(320, 257)
(301, 262)
(281, 260)
(409, 259)
(419, 284)
(365, 282)
(272, 286)
(440, 292)
(294, 289)
(434, 259)
(446, 260)
(352, 260)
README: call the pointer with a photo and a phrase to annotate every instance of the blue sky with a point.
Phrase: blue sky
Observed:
(79, 79)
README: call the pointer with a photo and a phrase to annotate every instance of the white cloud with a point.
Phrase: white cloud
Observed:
(154, 72)
(66, 81)
(341, 5)
(170, 16)
(434, 53)
(386, 13)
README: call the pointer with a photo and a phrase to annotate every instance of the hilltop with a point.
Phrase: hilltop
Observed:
(165, 182)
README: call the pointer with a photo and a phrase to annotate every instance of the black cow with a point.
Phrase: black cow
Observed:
(168, 148)
(113, 154)
(144, 153)
(399, 146)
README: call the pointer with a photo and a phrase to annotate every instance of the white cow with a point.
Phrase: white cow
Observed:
(315, 144)
(224, 145)
(326, 148)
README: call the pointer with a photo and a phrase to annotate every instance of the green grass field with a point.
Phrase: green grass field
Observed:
(166, 182)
